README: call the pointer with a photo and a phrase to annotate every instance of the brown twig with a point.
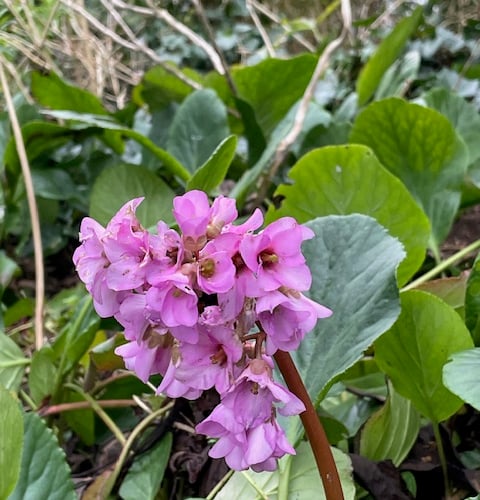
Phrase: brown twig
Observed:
(85, 405)
(32, 207)
(313, 427)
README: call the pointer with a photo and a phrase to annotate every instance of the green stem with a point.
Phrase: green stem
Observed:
(15, 362)
(284, 479)
(110, 483)
(313, 427)
(219, 485)
(100, 412)
(443, 265)
(441, 456)
(28, 400)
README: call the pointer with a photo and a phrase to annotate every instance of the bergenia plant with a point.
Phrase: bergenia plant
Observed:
(207, 307)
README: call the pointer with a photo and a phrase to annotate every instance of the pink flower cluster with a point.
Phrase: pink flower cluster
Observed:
(207, 307)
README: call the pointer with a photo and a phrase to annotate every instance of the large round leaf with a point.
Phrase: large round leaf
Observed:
(353, 262)
(413, 352)
(420, 147)
(117, 185)
(199, 125)
(462, 376)
(272, 86)
(462, 114)
(349, 179)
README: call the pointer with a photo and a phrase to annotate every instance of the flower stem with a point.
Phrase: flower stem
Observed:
(313, 427)
(127, 446)
(100, 412)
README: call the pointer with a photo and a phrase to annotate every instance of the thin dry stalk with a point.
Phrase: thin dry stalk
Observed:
(181, 28)
(322, 65)
(211, 35)
(273, 17)
(32, 206)
(17, 78)
(258, 24)
(135, 45)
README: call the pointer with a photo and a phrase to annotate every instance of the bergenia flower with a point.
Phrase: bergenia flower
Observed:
(274, 255)
(204, 307)
(286, 316)
(246, 412)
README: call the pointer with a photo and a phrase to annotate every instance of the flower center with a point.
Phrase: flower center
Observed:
(238, 262)
(267, 258)
(207, 268)
(219, 357)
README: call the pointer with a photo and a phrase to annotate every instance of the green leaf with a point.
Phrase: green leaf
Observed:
(159, 88)
(353, 262)
(41, 379)
(20, 309)
(420, 147)
(11, 430)
(213, 171)
(413, 352)
(117, 185)
(77, 336)
(399, 76)
(297, 477)
(12, 363)
(385, 55)
(364, 377)
(54, 184)
(472, 302)
(51, 91)
(44, 472)
(103, 355)
(252, 131)
(86, 120)
(145, 476)
(8, 269)
(462, 374)
(462, 114)
(344, 180)
(353, 411)
(199, 125)
(39, 137)
(391, 432)
(273, 86)
(247, 182)
(82, 422)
